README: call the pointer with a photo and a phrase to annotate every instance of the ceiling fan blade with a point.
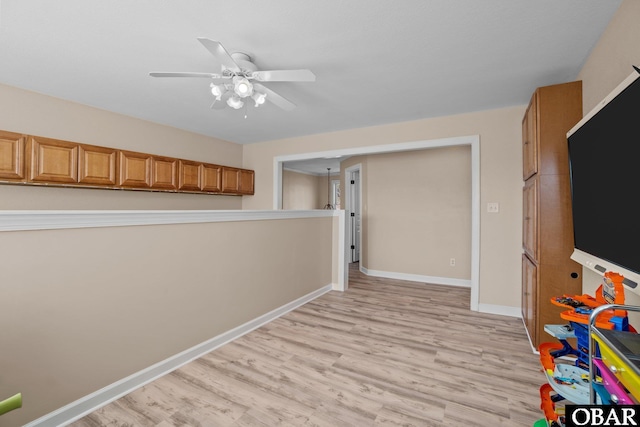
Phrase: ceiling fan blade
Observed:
(279, 100)
(185, 74)
(220, 53)
(285, 76)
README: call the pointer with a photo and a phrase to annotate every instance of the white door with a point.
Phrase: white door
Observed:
(354, 212)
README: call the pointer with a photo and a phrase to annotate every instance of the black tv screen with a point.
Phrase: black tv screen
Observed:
(604, 156)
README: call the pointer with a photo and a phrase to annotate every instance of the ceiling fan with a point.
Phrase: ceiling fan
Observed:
(239, 80)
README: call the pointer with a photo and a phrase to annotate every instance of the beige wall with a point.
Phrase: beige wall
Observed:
(302, 191)
(609, 63)
(83, 308)
(611, 59)
(500, 181)
(417, 207)
(36, 114)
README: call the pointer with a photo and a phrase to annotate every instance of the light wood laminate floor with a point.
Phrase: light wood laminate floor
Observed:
(386, 352)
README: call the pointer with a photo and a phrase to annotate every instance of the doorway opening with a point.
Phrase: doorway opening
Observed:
(353, 205)
(471, 140)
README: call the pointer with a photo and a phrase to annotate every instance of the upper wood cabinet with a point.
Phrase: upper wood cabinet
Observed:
(44, 161)
(235, 180)
(529, 140)
(246, 180)
(211, 178)
(135, 169)
(97, 165)
(230, 180)
(52, 160)
(12, 156)
(543, 136)
(189, 175)
(164, 173)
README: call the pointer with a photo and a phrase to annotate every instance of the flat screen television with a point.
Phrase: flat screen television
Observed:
(604, 159)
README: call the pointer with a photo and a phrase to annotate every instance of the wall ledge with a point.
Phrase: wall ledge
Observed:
(50, 220)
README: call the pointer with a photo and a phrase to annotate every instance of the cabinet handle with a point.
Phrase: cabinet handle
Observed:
(527, 218)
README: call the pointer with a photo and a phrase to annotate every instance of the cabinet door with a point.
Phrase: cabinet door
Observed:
(230, 180)
(555, 219)
(189, 175)
(12, 146)
(529, 297)
(530, 140)
(211, 178)
(553, 281)
(53, 161)
(164, 173)
(97, 165)
(246, 181)
(135, 169)
(530, 217)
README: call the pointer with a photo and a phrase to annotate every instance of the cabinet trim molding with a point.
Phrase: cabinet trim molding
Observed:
(52, 220)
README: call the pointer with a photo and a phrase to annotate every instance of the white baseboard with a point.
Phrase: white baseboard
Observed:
(417, 278)
(85, 405)
(504, 310)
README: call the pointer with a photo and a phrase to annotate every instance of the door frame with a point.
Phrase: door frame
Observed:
(347, 204)
(471, 140)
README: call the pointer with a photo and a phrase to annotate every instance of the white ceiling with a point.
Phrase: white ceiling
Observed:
(376, 61)
(317, 166)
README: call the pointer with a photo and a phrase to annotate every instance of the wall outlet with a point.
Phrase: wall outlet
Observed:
(493, 207)
(452, 262)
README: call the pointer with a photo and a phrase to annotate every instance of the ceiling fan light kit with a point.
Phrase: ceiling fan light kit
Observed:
(243, 79)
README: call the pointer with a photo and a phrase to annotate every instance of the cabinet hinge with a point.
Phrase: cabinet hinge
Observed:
(353, 181)
(353, 214)
(353, 247)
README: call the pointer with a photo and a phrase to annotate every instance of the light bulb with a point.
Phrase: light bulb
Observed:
(258, 98)
(242, 87)
(235, 102)
(216, 91)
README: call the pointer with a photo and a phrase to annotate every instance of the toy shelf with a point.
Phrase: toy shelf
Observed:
(603, 367)
(615, 356)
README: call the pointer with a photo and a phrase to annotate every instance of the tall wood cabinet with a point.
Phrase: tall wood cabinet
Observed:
(547, 231)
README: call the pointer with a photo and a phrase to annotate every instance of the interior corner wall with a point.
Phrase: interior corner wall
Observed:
(32, 113)
(500, 134)
(609, 63)
(612, 58)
